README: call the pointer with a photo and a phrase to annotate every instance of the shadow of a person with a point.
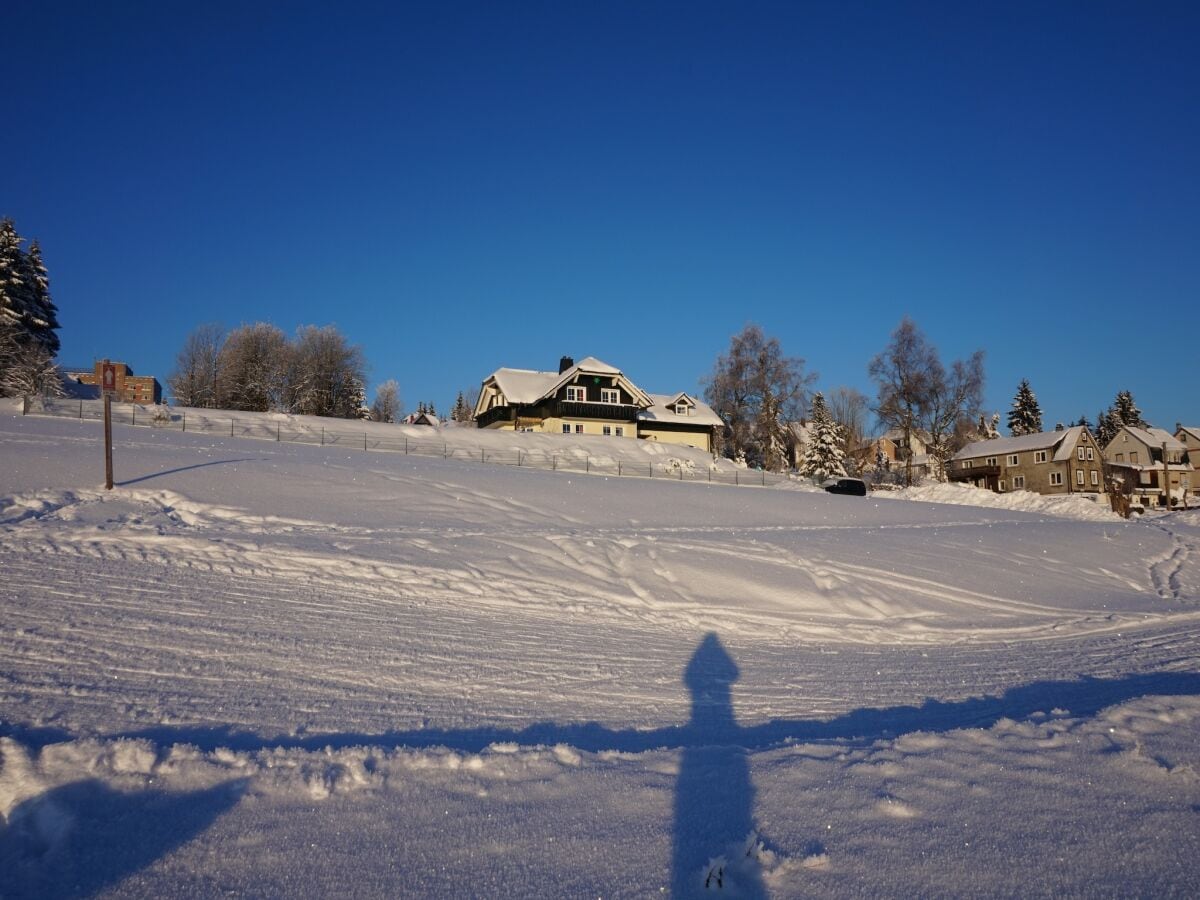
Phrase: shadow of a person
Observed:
(714, 797)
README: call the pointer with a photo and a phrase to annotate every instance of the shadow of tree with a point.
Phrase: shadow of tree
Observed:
(80, 838)
(1081, 698)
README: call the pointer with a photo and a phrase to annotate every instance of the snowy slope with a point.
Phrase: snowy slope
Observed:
(284, 669)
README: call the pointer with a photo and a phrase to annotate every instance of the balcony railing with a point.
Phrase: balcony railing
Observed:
(957, 474)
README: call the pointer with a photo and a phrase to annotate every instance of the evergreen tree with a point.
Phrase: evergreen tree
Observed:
(460, 413)
(13, 297)
(43, 314)
(1083, 420)
(1107, 427)
(823, 456)
(1025, 417)
(1125, 411)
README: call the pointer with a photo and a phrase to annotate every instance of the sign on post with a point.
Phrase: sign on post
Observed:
(108, 378)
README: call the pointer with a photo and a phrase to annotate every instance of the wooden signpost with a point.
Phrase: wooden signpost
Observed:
(108, 385)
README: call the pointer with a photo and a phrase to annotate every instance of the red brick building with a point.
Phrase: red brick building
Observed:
(130, 388)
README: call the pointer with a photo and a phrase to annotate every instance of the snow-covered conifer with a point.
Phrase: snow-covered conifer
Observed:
(1025, 417)
(1126, 412)
(823, 455)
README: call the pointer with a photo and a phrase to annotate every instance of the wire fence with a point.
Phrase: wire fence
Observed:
(573, 460)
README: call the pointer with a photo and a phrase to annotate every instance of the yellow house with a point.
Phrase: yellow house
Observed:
(591, 397)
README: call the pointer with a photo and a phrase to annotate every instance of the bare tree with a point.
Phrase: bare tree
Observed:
(326, 374)
(954, 401)
(916, 393)
(387, 406)
(756, 390)
(252, 366)
(851, 410)
(194, 381)
(902, 374)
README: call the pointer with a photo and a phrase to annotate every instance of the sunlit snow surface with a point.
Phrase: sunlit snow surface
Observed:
(265, 669)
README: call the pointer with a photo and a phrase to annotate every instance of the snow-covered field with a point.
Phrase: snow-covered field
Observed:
(272, 669)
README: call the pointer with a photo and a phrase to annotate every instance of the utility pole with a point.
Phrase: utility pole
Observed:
(1166, 476)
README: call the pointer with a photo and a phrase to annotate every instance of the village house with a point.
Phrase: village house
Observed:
(130, 388)
(592, 397)
(1154, 462)
(1190, 438)
(1063, 461)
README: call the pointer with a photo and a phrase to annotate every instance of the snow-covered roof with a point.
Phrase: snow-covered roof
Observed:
(524, 385)
(1155, 437)
(1192, 432)
(663, 410)
(529, 386)
(1042, 440)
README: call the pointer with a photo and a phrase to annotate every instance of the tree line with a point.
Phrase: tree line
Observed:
(28, 319)
(762, 395)
(258, 368)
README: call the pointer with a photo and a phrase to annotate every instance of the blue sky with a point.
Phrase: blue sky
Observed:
(463, 186)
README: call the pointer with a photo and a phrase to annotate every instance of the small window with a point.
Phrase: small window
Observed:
(1014, 459)
(967, 464)
(1018, 482)
(610, 395)
(1095, 477)
(1039, 456)
(682, 409)
(620, 431)
(1079, 453)
(577, 393)
(579, 428)
(566, 427)
(993, 461)
(607, 430)
(1056, 478)
(1079, 476)
(1120, 457)
(1133, 457)
(1091, 454)
(1002, 485)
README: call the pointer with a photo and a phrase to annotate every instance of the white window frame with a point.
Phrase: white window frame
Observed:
(579, 428)
(606, 430)
(1056, 479)
(1091, 454)
(683, 409)
(1018, 482)
(1014, 459)
(576, 393)
(610, 395)
(566, 427)
(620, 431)
(1001, 485)
(1079, 477)
(1039, 456)
(1095, 478)
(1079, 453)
(993, 461)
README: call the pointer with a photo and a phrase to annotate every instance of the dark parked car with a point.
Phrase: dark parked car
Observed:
(855, 486)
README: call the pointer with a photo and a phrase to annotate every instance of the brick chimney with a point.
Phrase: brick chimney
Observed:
(565, 363)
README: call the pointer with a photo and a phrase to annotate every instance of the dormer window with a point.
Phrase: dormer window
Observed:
(576, 393)
(610, 395)
(683, 409)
